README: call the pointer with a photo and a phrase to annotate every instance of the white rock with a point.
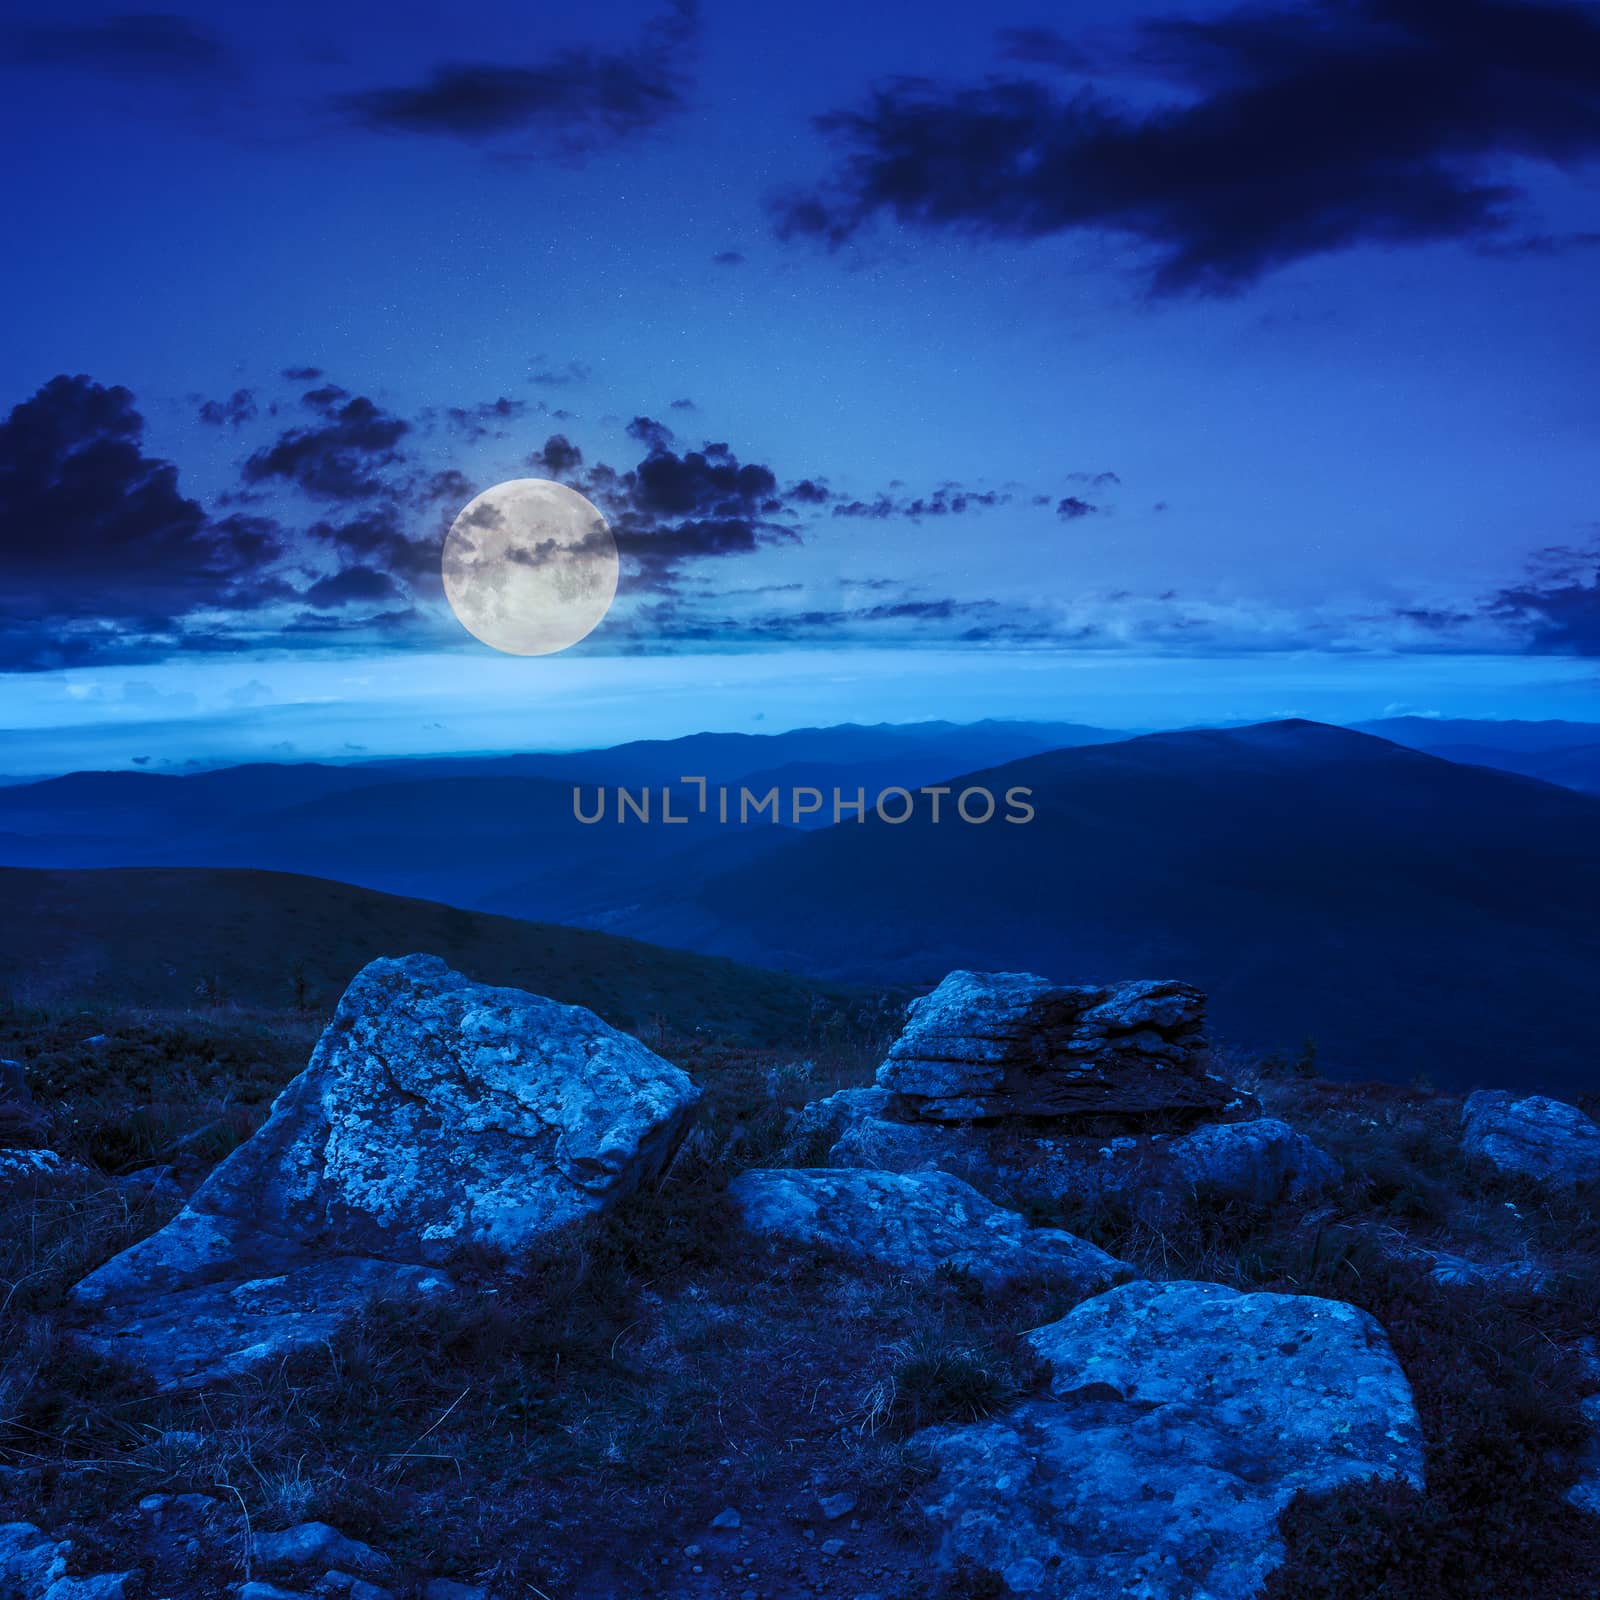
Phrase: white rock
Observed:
(1182, 1418)
(1534, 1137)
(315, 1544)
(916, 1222)
(435, 1113)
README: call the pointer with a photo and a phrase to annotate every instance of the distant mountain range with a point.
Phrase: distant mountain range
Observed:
(501, 829)
(1567, 753)
(1409, 913)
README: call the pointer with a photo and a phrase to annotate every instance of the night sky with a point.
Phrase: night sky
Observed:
(1103, 361)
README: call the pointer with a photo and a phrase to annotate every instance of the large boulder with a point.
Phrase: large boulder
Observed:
(1535, 1137)
(435, 1113)
(986, 1045)
(916, 1223)
(1181, 1419)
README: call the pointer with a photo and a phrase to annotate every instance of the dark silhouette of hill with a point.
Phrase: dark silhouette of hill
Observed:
(161, 937)
(1408, 914)
(949, 747)
(456, 827)
(497, 832)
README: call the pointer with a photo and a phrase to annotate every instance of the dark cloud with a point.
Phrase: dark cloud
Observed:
(562, 377)
(302, 374)
(948, 500)
(657, 435)
(1043, 47)
(1558, 604)
(107, 560)
(571, 102)
(672, 508)
(145, 44)
(902, 620)
(1070, 508)
(386, 537)
(237, 409)
(1285, 134)
(358, 585)
(342, 456)
(485, 420)
(684, 404)
(98, 540)
(728, 258)
(560, 458)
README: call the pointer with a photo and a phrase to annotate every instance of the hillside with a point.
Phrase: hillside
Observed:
(175, 937)
(1408, 914)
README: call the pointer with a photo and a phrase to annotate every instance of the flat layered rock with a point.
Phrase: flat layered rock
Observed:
(916, 1223)
(987, 1045)
(435, 1113)
(1182, 1418)
(1534, 1137)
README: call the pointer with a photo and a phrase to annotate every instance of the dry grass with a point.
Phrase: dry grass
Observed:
(572, 1425)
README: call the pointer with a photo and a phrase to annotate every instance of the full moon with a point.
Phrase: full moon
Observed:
(530, 567)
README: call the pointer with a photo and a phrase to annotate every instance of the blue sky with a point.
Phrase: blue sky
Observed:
(1137, 364)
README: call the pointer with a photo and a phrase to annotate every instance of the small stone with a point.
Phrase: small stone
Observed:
(312, 1544)
(335, 1582)
(834, 1506)
(833, 1547)
(728, 1518)
(449, 1589)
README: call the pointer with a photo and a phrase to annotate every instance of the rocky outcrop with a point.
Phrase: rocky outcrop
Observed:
(19, 1165)
(1181, 1419)
(435, 1113)
(33, 1566)
(996, 1075)
(986, 1045)
(916, 1223)
(1534, 1137)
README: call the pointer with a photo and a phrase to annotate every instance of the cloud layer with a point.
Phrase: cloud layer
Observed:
(571, 101)
(1278, 134)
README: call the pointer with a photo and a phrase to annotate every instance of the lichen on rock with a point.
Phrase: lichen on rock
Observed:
(435, 1113)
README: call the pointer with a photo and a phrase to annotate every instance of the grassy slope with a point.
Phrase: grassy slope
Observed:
(163, 937)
